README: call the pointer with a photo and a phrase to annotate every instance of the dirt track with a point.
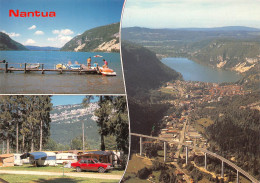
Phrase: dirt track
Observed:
(87, 175)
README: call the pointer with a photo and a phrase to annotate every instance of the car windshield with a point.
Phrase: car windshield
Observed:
(95, 160)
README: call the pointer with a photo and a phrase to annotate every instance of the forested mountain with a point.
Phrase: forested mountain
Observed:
(235, 132)
(6, 43)
(67, 124)
(103, 38)
(144, 72)
(233, 48)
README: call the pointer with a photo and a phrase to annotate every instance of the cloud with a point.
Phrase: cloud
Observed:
(55, 31)
(62, 37)
(39, 32)
(30, 41)
(191, 13)
(64, 32)
(32, 27)
(11, 34)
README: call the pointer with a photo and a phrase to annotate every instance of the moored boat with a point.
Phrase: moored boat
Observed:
(61, 66)
(107, 71)
(33, 66)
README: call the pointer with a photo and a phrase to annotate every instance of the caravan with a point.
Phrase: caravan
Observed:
(65, 158)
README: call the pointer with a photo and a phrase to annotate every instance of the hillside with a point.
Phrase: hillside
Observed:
(6, 43)
(39, 48)
(67, 124)
(144, 73)
(143, 70)
(230, 48)
(236, 55)
(104, 38)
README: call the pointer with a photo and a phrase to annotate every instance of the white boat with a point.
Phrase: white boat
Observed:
(33, 66)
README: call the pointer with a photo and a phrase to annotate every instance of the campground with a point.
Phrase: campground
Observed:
(29, 173)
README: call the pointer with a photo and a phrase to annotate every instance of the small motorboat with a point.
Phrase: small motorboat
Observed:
(98, 56)
(33, 66)
(61, 66)
(107, 71)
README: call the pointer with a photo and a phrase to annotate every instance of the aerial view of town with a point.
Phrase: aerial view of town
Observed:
(192, 79)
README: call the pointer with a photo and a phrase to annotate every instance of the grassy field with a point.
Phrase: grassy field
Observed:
(168, 91)
(13, 178)
(53, 169)
(202, 124)
(134, 165)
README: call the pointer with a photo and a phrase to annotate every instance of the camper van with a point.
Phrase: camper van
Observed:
(17, 160)
(43, 158)
(65, 158)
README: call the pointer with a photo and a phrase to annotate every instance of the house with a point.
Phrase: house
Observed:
(6, 160)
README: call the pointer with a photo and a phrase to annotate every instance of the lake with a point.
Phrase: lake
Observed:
(192, 71)
(55, 83)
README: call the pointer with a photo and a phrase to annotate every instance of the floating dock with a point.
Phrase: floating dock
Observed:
(25, 67)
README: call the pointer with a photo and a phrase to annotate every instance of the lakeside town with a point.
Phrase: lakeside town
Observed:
(181, 128)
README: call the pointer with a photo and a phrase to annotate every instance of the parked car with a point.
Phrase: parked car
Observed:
(91, 164)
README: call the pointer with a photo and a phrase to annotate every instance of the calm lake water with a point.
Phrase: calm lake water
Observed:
(54, 83)
(192, 71)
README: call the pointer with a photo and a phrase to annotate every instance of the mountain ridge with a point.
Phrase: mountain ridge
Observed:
(6, 43)
(102, 38)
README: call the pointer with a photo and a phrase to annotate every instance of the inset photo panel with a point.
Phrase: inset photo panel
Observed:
(63, 138)
(60, 47)
(192, 80)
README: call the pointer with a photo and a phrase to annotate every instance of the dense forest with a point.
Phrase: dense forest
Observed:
(235, 132)
(24, 122)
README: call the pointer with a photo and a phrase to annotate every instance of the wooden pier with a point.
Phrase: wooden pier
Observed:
(24, 68)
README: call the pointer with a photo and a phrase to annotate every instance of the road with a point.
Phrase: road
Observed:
(86, 175)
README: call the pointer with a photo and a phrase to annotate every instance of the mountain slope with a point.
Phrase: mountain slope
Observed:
(238, 55)
(143, 70)
(6, 43)
(67, 124)
(104, 38)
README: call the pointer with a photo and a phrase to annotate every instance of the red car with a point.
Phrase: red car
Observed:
(92, 165)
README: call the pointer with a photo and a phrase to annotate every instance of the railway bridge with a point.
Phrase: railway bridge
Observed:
(206, 153)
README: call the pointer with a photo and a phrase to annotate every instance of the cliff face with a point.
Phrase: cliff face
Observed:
(6, 43)
(237, 55)
(104, 38)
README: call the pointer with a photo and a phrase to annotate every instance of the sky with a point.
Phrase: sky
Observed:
(191, 13)
(69, 99)
(73, 17)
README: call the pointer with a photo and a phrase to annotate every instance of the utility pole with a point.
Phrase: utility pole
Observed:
(83, 138)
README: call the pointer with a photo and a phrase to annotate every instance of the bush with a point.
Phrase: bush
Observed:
(167, 177)
(144, 173)
(151, 150)
(157, 165)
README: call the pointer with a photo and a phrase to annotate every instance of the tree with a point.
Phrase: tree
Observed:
(119, 126)
(103, 113)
